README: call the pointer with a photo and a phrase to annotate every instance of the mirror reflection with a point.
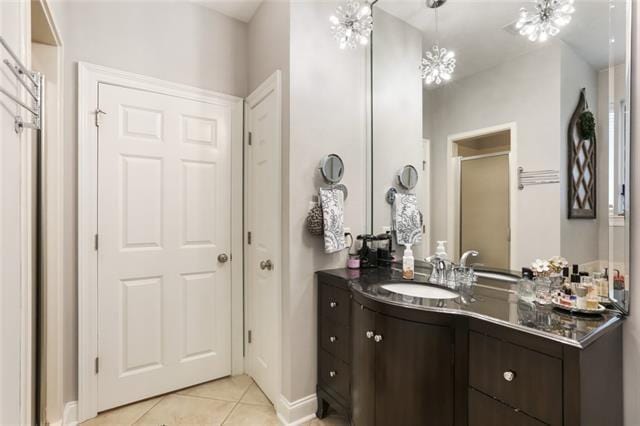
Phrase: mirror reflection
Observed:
(518, 133)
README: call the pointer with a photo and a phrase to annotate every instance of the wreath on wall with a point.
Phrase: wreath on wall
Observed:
(587, 125)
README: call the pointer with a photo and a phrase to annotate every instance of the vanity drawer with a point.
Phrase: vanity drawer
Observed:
(334, 304)
(484, 411)
(334, 374)
(334, 338)
(522, 378)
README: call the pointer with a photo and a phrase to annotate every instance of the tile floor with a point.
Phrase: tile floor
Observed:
(234, 400)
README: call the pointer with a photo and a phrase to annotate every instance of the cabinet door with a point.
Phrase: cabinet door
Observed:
(414, 373)
(362, 366)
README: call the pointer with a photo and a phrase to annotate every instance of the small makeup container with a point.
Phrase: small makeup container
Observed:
(353, 259)
(581, 294)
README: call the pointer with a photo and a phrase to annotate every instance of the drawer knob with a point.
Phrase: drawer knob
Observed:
(369, 334)
(333, 339)
(377, 338)
(509, 375)
(332, 373)
(333, 304)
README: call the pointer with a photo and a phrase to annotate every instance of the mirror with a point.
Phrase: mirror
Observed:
(332, 168)
(492, 142)
(408, 177)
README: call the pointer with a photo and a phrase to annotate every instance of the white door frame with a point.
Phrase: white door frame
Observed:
(453, 187)
(272, 83)
(89, 76)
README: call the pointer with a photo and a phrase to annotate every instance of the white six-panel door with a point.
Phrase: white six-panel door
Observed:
(263, 213)
(163, 222)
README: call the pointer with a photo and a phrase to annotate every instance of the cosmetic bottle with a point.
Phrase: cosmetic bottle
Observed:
(408, 263)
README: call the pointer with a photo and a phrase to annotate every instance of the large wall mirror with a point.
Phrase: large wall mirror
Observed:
(490, 127)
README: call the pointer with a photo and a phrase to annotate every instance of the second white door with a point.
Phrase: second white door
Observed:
(164, 222)
(263, 219)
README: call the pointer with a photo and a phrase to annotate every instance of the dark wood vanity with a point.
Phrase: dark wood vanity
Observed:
(381, 363)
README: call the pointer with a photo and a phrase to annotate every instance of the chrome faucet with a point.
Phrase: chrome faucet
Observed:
(446, 273)
(465, 255)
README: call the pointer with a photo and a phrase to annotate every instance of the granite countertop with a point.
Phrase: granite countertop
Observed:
(488, 300)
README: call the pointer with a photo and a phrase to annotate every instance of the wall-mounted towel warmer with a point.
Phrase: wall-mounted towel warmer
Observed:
(33, 83)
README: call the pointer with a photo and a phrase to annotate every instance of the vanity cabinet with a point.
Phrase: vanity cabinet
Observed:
(334, 343)
(385, 364)
(402, 371)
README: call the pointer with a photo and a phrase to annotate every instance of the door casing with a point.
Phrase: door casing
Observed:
(89, 76)
(453, 188)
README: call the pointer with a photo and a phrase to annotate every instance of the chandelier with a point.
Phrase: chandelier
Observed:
(352, 24)
(547, 19)
(438, 63)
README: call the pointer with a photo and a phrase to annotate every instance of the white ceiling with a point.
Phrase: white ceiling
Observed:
(475, 30)
(242, 10)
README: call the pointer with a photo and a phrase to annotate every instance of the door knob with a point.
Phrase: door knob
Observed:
(377, 338)
(369, 334)
(266, 264)
(223, 258)
(509, 375)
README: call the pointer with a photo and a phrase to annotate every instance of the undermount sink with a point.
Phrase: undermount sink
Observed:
(418, 290)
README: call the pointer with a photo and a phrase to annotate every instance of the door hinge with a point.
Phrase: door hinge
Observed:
(97, 365)
(95, 242)
(248, 237)
(249, 336)
(250, 138)
(99, 113)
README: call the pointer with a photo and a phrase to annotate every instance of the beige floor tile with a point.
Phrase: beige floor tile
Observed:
(332, 420)
(187, 410)
(254, 395)
(252, 415)
(228, 389)
(126, 415)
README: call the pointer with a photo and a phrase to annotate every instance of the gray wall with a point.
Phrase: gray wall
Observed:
(328, 115)
(175, 41)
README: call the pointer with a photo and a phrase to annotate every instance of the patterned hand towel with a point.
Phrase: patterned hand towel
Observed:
(406, 219)
(333, 214)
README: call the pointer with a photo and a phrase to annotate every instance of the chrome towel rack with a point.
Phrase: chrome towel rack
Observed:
(33, 83)
(537, 177)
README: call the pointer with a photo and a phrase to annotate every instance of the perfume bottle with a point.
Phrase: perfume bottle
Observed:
(525, 287)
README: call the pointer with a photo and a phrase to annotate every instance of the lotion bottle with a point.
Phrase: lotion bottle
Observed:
(408, 263)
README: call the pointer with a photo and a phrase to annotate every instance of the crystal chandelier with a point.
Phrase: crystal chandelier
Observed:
(352, 24)
(438, 63)
(547, 19)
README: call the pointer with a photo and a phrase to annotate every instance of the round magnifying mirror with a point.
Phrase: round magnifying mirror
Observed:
(408, 177)
(332, 168)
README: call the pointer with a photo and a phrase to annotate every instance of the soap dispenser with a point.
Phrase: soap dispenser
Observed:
(441, 250)
(408, 272)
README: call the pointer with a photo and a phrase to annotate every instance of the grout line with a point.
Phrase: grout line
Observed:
(150, 408)
(238, 402)
(200, 396)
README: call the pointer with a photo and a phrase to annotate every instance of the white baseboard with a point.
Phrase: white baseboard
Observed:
(69, 415)
(297, 412)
